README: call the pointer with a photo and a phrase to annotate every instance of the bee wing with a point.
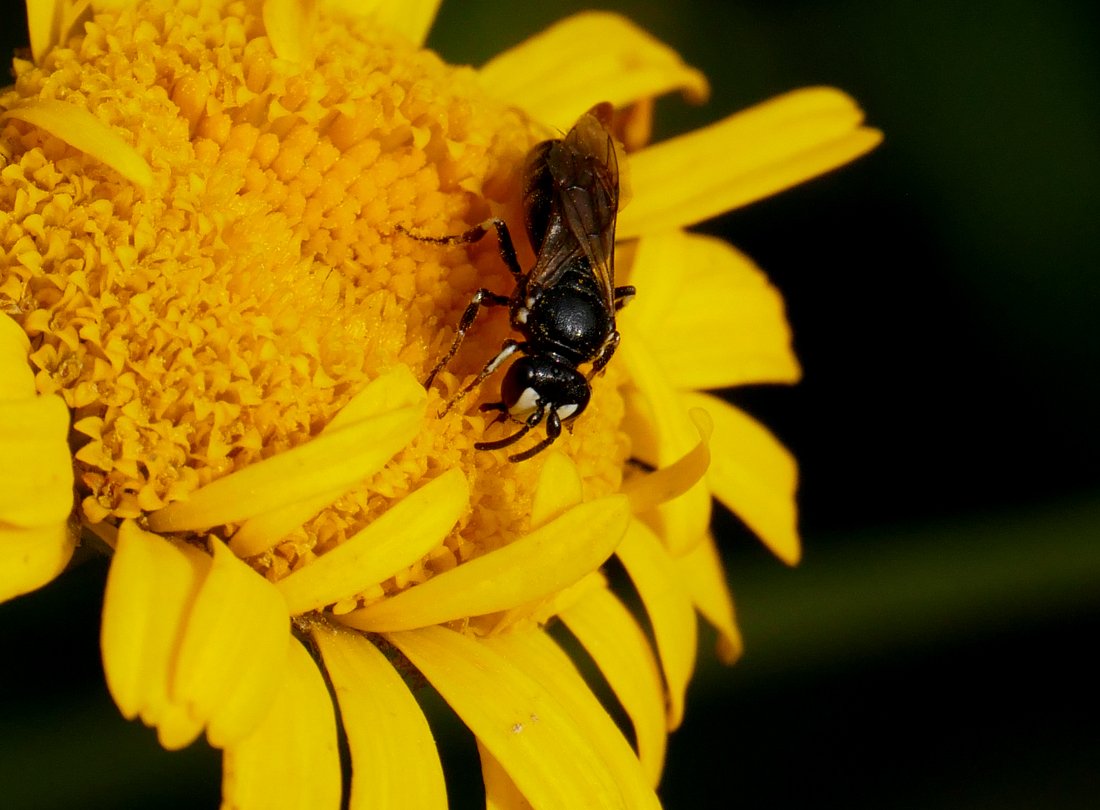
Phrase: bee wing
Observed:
(585, 171)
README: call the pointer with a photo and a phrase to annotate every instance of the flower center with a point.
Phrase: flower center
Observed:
(228, 312)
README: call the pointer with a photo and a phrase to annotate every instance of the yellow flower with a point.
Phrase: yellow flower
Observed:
(215, 323)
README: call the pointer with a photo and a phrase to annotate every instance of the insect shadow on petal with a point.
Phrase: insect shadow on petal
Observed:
(565, 305)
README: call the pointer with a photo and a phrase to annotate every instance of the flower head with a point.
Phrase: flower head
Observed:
(217, 314)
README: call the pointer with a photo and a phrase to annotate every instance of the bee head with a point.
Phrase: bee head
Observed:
(541, 380)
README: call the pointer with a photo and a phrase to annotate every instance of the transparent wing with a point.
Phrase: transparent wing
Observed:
(584, 169)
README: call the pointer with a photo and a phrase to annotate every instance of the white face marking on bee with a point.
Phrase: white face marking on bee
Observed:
(565, 411)
(521, 314)
(526, 403)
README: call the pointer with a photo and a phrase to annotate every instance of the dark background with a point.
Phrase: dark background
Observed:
(932, 650)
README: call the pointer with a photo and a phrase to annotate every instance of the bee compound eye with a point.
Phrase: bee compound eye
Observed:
(517, 389)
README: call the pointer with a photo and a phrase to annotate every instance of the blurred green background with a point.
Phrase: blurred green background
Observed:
(933, 649)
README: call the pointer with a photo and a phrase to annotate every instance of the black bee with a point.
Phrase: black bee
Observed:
(565, 305)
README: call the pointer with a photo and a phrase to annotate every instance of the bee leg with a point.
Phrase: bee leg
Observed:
(623, 296)
(482, 298)
(507, 349)
(603, 355)
(475, 234)
(499, 407)
(507, 249)
(553, 430)
(530, 422)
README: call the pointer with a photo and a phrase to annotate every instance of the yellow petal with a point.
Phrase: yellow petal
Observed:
(537, 612)
(411, 18)
(36, 478)
(403, 534)
(151, 588)
(536, 654)
(701, 571)
(501, 792)
(291, 761)
(337, 459)
(663, 432)
(289, 25)
(536, 565)
(44, 23)
(394, 761)
(30, 558)
(74, 14)
(709, 315)
(669, 608)
(559, 488)
(81, 130)
(540, 746)
(743, 158)
(16, 377)
(233, 653)
(753, 475)
(662, 485)
(585, 59)
(618, 646)
(390, 391)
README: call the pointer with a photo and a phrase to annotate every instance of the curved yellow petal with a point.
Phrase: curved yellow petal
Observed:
(291, 761)
(664, 484)
(619, 647)
(753, 475)
(36, 478)
(36, 490)
(30, 558)
(75, 14)
(745, 157)
(559, 488)
(337, 459)
(403, 534)
(709, 315)
(535, 613)
(501, 792)
(536, 654)
(394, 761)
(395, 389)
(44, 24)
(81, 130)
(542, 748)
(669, 608)
(547, 560)
(151, 588)
(290, 26)
(662, 431)
(582, 60)
(16, 377)
(702, 573)
(233, 652)
(411, 18)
